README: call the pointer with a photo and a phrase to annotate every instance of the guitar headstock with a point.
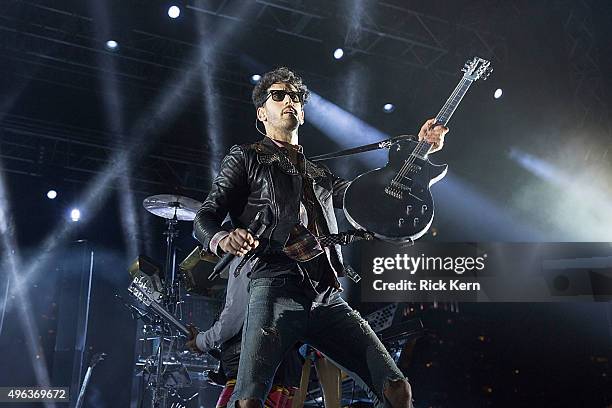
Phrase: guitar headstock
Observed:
(477, 68)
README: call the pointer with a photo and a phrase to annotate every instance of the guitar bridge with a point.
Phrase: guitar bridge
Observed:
(396, 189)
(393, 192)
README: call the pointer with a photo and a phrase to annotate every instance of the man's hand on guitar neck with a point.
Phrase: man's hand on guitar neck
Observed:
(433, 134)
(191, 344)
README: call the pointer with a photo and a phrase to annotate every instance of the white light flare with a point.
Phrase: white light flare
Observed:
(75, 215)
(174, 12)
(112, 45)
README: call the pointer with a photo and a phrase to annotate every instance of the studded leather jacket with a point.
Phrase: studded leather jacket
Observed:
(259, 176)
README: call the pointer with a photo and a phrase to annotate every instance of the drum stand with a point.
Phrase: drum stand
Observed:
(173, 208)
(171, 302)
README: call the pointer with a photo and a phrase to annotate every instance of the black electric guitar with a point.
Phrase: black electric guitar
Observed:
(394, 202)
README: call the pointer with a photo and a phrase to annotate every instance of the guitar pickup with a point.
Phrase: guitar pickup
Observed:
(415, 167)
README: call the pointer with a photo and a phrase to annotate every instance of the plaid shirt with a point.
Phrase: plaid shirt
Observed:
(302, 244)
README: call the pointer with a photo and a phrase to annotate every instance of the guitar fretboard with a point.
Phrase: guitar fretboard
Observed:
(445, 113)
(453, 101)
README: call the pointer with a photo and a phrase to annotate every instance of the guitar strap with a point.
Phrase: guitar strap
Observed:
(384, 144)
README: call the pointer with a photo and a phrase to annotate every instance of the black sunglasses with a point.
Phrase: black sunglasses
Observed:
(278, 95)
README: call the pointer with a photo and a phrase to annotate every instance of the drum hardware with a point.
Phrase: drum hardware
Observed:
(170, 206)
(137, 313)
(159, 290)
(167, 368)
(173, 208)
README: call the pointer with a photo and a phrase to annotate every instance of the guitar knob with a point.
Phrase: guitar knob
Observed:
(416, 221)
(400, 222)
(423, 209)
(408, 209)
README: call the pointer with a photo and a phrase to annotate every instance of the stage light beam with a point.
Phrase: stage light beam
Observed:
(349, 131)
(208, 77)
(146, 128)
(580, 207)
(113, 108)
(10, 262)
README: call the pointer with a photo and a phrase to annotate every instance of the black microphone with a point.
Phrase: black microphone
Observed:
(256, 228)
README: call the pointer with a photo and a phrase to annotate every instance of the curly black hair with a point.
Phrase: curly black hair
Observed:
(283, 75)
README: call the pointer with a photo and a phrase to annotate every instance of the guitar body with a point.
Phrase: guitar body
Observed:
(395, 208)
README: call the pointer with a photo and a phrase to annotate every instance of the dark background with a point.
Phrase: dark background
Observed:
(108, 128)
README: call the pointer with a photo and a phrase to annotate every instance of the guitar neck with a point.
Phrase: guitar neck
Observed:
(165, 314)
(446, 112)
(453, 101)
(139, 290)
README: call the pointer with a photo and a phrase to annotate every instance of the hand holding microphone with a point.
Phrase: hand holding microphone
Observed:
(239, 242)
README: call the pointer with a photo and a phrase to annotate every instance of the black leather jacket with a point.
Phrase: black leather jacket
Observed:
(259, 176)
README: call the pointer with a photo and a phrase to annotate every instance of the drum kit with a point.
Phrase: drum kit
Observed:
(160, 291)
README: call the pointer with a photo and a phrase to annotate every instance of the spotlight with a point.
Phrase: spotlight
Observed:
(498, 93)
(388, 107)
(51, 194)
(255, 78)
(75, 215)
(339, 53)
(112, 45)
(174, 12)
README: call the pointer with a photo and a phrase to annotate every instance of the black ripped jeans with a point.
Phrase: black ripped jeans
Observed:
(279, 314)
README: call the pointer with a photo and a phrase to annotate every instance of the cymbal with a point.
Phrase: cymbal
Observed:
(168, 205)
